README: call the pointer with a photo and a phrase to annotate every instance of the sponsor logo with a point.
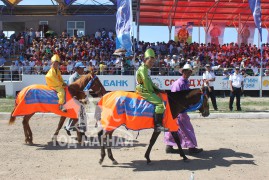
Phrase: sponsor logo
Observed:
(157, 82)
(122, 83)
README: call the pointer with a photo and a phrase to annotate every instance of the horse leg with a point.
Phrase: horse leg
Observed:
(177, 141)
(27, 130)
(60, 125)
(109, 151)
(101, 139)
(79, 137)
(152, 142)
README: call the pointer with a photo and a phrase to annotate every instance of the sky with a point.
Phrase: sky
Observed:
(158, 33)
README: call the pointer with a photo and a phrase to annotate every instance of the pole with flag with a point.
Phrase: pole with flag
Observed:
(124, 19)
(255, 6)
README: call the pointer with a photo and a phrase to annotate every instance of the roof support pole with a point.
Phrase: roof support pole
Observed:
(206, 18)
(199, 38)
(137, 20)
(170, 27)
(239, 30)
(171, 18)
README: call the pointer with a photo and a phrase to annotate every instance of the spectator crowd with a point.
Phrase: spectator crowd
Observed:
(33, 54)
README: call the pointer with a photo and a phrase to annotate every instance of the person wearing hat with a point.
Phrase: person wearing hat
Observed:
(55, 81)
(266, 72)
(148, 90)
(186, 132)
(79, 71)
(236, 88)
(209, 78)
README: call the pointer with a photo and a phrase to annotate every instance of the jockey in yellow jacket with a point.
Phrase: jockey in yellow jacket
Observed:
(55, 81)
(148, 90)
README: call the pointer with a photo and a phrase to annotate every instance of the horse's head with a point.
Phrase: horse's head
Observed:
(95, 84)
(204, 109)
(98, 87)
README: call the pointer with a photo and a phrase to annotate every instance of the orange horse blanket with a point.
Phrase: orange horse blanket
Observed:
(41, 98)
(130, 109)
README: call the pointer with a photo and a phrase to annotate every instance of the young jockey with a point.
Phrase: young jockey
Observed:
(55, 81)
(148, 90)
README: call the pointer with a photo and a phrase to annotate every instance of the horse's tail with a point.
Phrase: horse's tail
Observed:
(12, 118)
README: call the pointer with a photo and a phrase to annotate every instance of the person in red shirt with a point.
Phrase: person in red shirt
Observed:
(63, 68)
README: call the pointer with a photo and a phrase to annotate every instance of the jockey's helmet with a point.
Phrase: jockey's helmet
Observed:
(55, 57)
(149, 53)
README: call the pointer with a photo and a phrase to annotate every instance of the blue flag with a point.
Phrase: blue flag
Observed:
(124, 19)
(255, 6)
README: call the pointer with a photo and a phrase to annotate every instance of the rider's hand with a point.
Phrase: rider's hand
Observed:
(64, 84)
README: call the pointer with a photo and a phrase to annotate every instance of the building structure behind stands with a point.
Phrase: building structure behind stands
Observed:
(75, 19)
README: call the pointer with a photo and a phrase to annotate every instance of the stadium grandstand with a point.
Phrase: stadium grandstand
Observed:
(85, 32)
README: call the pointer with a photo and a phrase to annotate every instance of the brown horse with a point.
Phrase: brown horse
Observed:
(77, 91)
(179, 102)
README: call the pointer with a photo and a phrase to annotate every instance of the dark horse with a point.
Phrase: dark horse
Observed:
(76, 90)
(179, 102)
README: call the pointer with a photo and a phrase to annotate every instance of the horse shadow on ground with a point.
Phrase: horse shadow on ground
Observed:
(206, 160)
(90, 143)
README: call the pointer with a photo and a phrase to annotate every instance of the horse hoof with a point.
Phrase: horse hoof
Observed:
(101, 161)
(148, 161)
(185, 159)
(115, 162)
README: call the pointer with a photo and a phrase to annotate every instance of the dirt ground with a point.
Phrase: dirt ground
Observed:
(233, 149)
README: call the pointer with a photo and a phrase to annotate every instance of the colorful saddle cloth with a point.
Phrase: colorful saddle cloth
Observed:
(41, 98)
(130, 109)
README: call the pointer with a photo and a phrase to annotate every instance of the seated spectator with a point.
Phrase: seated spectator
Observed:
(45, 68)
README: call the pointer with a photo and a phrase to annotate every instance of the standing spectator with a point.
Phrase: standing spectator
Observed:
(2, 69)
(2, 34)
(110, 35)
(102, 68)
(27, 68)
(37, 35)
(14, 69)
(79, 71)
(237, 87)
(21, 43)
(209, 78)
(186, 132)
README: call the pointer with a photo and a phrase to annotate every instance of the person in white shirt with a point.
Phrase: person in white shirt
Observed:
(70, 67)
(209, 78)
(236, 87)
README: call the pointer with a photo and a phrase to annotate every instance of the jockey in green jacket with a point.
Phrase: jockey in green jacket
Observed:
(148, 90)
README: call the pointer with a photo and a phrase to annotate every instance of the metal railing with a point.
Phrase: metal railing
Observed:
(7, 74)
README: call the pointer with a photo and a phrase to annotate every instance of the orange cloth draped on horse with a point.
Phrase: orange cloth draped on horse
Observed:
(41, 98)
(129, 109)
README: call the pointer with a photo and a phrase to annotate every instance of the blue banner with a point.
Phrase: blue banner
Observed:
(124, 19)
(69, 1)
(255, 6)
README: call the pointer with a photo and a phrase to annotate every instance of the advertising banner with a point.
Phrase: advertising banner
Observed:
(247, 34)
(124, 19)
(215, 34)
(183, 32)
(127, 83)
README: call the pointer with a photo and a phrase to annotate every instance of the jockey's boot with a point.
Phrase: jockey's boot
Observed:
(158, 119)
(62, 108)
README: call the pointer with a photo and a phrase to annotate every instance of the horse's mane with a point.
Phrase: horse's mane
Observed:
(185, 94)
(182, 99)
(79, 84)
